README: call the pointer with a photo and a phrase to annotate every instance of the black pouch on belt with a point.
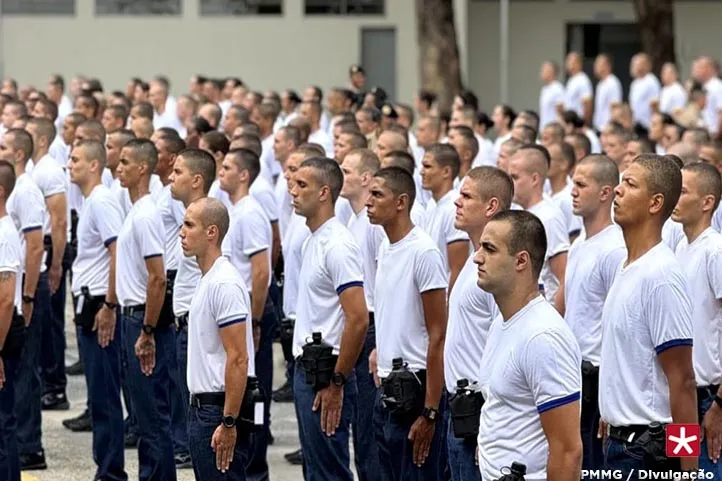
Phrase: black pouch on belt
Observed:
(286, 335)
(465, 406)
(253, 406)
(15, 339)
(403, 392)
(318, 362)
(86, 307)
(166, 317)
(590, 382)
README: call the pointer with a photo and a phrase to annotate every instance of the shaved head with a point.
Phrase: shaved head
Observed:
(399, 181)
(604, 170)
(492, 182)
(709, 181)
(326, 172)
(94, 150)
(213, 213)
(685, 151)
(200, 162)
(91, 130)
(664, 177)
(536, 159)
(394, 140)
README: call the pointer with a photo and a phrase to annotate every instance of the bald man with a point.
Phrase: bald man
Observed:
(390, 140)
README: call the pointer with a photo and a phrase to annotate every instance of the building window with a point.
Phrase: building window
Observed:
(137, 7)
(241, 7)
(38, 7)
(344, 7)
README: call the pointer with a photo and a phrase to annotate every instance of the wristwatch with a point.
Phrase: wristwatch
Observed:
(718, 400)
(229, 421)
(338, 379)
(28, 299)
(430, 413)
(148, 329)
(110, 305)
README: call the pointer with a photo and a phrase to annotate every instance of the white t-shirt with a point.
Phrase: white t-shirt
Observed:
(270, 167)
(10, 255)
(216, 192)
(169, 118)
(609, 92)
(471, 312)
(418, 214)
(531, 364)
(594, 141)
(439, 224)
(26, 207)
(285, 205)
(140, 238)
(648, 310)
(555, 228)
(671, 98)
(222, 300)
(186, 282)
(672, 233)
(578, 88)
(406, 269)
(701, 261)
(714, 103)
(641, 92)
(369, 238)
(485, 156)
(262, 191)
(343, 210)
(550, 96)
(171, 212)
(322, 138)
(292, 244)
(331, 264)
(156, 186)
(563, 200)
(98, 226)
(592, 265)
(249, 234)
(52, 181)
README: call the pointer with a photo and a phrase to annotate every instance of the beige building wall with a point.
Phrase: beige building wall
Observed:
(268, 52)
(538, 32)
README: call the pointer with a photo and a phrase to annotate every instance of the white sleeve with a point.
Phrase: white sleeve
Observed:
(227, 244)
(557, 236)
(50, 179)
(267, 200)
(429, 271)
(552, 365)
(453, 234)
(612, 265)
(714, 271)
(586, 90)
(343, 262)
(669, 311)
(109, 220)
(9, 256)
(229, 302)
(30, 211)
(149, 235)
(615, 93)
(254, 239)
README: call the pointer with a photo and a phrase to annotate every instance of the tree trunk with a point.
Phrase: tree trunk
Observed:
(438, 52)
(656, 22)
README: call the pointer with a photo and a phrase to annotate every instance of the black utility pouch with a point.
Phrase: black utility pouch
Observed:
(15, 339)
(166, 317)
(465, 406)
(286, 336)
(253, 406)
(403, 393)
(654, 445)
(318, 362)
(86, 307)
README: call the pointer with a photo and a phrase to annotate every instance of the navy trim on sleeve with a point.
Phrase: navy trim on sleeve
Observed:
(257, 252)
(30, 229)
(555, 403)
(274, 221)
(575, 232)
(343, 287)
(673, 343)
(232, 322)
(457, 240)
(152, 256)
(110, 240)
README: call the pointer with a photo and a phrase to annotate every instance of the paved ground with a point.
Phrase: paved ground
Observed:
(69, 454)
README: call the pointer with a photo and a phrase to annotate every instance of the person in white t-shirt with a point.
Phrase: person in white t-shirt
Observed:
(220, 349)
(700, 255)
(484, 192)
(330, 305)
(311, 111)
(53, 183)
(218, 145)
(264, 115)
(578, 93)
(673, 96)
(359, 167)
(95, 305)
(528, 168)
(438, 170)
(140, 283)
(11, 326)
(646, 372)
(462, 138)
(467, 117)
(704, 70)
(400, 158)
(410, 296)
(551, 95)
(285, 141)
(26, 206)
(248, 247)
(608, 91)
(530, 370)
(644, 90)
(592, 265)
(561, 165)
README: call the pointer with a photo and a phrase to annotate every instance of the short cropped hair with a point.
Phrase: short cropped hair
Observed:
(605, 172)
(216, 141)
(399, 181)
(246, 159)
(7, 178)
(95, 151)
(213, 212)
(200, 162)
(327, 172)
(708, 179)
(402, 159)
(145, 152)
(663, 177)
(526, 234)
(22, 141)
(493, 182)
(45, 127)
(250, 142)
(446, 156)
(368, 161)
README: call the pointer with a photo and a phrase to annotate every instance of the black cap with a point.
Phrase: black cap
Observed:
(355, 68)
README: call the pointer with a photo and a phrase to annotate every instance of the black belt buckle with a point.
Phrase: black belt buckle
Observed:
(627, 434)
(130, 311)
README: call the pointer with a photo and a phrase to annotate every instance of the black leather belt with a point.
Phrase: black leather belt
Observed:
(208, 399)
(707, 391)
(132, 310)
(628, 434)
(182, 321)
